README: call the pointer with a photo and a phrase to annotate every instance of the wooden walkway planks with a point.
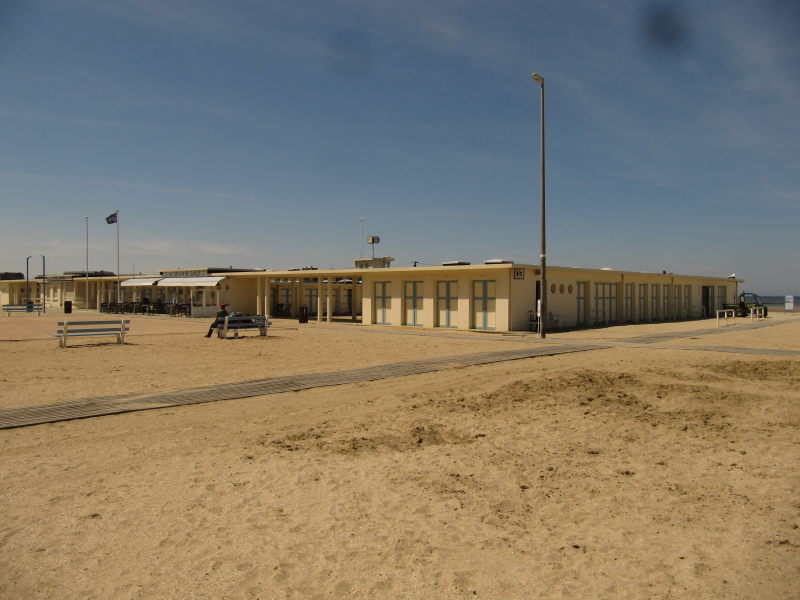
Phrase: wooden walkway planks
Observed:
(110, 405)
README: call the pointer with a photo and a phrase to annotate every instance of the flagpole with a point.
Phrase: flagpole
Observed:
(119, 299)
(87, 263)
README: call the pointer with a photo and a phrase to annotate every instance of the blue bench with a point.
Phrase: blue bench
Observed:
(236, 323)
(66, 330)
(37, 308)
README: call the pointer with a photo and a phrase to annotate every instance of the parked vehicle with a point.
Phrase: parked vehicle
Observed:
(747, 301)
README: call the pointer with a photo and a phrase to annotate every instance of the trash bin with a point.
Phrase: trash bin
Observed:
(67, 307)
(303, 314)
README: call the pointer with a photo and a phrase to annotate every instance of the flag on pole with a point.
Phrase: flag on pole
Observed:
(112, 218)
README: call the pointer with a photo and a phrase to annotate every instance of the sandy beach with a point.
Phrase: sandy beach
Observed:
(638, 471)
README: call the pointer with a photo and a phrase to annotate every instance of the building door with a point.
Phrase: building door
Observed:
(628, 307)
(447, 303)
(383, 302)
(312, 295)
(655, 300)
(348, 301)
(605, 303)
(413, 303)
(642, 302)
(483, 304)
(286, 302)
(676, 302)
(581, 297)
(687, 301)
(707, 298)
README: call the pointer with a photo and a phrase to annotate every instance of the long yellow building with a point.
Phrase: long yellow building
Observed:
(498, 295)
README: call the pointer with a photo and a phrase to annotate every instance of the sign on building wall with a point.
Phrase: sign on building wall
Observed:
(185, 273)
(519, 273)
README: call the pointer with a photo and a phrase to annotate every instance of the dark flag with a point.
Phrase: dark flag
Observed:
(111, 219)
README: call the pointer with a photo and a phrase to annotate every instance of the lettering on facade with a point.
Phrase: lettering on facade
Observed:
(519, 273)
(185, 273)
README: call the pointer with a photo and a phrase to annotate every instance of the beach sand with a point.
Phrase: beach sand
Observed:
(628, 472)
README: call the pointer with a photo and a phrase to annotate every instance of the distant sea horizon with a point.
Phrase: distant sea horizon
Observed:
(776, 299)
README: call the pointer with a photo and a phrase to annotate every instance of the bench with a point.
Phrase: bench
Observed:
(37, 308)
(68, 329)
(235, 324)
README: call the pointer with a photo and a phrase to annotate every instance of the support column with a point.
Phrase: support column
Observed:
(367, 302)
(354, 299)
(259, 295)
(464, 319)
(329, 299)
(428, 302)
(319, 299)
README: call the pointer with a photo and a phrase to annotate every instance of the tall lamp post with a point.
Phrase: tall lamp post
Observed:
(542, 254)
(44, 285)
(27, 281)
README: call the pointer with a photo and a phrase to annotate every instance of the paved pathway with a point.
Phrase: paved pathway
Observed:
(109, 405)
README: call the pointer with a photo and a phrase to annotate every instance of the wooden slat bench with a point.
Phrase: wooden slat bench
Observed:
(9, 308)
(260, 322)
(67, 329)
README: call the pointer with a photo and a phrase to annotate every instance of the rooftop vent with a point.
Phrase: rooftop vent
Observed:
(455, 263)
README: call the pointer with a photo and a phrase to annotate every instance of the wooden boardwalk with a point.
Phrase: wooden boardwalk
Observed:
(110, 405)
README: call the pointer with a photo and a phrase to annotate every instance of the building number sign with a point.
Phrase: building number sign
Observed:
(519, 273)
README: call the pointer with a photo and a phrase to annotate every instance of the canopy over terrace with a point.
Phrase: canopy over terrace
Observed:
(193, 296)
(324, 294)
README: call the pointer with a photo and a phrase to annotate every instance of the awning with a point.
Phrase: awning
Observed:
(142, 281)
(189, 281)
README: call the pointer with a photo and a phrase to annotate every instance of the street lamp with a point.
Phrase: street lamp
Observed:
(27, 281)
(542, 254)
(44, 285)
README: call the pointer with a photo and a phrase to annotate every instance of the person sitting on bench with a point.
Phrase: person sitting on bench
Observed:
(221, 314)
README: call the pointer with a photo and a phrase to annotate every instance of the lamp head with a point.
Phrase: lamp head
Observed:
(537, 78)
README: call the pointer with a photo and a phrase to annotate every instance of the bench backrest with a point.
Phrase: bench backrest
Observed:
(68, 329)
(82, 326)
(247, 319)
(22, 306)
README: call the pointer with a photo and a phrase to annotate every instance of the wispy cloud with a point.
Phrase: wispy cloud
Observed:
(184, 248)
(66, 120)
(128, 185)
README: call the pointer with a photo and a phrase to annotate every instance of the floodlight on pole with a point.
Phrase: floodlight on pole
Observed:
(542, 254)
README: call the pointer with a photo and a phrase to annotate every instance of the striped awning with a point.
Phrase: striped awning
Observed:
(141, 281)
(189, 281)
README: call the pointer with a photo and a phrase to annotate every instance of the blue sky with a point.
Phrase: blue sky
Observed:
(256, 134)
